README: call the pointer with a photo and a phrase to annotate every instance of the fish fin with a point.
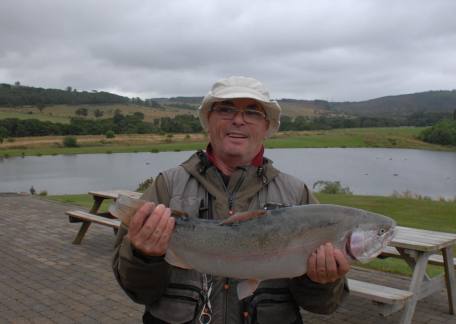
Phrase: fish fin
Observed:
(236, 218)
(245, 288)
(178, 213)
(174, 260)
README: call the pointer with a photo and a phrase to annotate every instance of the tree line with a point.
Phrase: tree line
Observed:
(119, 124)
(332, 122)
(18, 95)
(134, 124)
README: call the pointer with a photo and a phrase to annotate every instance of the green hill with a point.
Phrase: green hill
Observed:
(402, 105)
(18, 95)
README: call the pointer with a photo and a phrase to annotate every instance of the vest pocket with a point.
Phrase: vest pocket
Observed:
(269, 312)
(273, 303)
(178, 305)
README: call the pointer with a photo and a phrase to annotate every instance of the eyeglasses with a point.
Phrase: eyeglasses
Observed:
(251, 114)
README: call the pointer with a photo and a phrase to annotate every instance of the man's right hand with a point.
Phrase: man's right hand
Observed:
(150, 229)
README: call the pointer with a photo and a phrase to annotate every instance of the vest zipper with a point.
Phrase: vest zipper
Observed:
(231, 194)
(226, 286)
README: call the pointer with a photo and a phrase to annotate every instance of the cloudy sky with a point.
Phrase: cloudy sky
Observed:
(333, 50)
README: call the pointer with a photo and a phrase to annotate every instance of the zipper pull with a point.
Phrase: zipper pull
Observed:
(230, 205)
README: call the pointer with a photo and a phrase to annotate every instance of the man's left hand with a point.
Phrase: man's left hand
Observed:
(327, 264)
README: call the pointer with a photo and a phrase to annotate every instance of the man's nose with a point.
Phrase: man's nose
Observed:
(238, 117)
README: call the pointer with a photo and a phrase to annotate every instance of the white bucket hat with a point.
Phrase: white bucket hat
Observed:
(241, 87)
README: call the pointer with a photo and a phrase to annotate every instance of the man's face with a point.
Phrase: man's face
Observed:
(237, 134)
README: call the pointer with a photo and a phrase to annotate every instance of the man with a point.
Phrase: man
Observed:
(231, 176)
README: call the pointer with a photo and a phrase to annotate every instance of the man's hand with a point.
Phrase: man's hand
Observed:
(150, 229)
(327, 264)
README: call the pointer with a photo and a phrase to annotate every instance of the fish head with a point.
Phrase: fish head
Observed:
(368, 240)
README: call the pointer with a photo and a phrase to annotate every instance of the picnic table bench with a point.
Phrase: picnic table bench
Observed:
(94, 215)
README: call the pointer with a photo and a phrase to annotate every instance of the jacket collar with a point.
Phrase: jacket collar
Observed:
(254, 178)
(257, 160)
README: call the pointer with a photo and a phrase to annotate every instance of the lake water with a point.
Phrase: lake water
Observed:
(365, 170)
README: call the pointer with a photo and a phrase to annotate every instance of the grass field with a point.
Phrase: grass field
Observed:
(425, 214)
(63, 113)
(25, 115)
(358, 137)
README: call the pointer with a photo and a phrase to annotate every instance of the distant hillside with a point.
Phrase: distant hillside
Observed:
(392, 107)
(430, 102)
(290, 107)
(401, 105)
(18, 95)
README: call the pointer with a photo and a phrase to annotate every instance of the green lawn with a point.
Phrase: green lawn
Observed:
(417, 213)
(41, 117)
(398, 137)
(425, 214)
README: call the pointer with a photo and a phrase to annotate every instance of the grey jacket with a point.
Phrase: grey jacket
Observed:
(173, 295)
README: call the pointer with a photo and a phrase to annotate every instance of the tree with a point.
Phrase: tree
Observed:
(98, 113)
(82, 112)
(3, 133)
(40, 107)
(17, 84)
(138, 115)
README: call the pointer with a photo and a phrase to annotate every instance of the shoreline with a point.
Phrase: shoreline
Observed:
(398, 137)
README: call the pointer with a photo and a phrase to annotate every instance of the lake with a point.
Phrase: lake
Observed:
(365, 170)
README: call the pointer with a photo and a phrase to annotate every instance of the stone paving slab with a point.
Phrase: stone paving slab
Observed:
(46, 279)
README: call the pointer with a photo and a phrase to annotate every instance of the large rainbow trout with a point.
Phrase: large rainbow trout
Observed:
(270, 244)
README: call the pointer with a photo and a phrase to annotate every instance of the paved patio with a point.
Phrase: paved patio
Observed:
(46, 279)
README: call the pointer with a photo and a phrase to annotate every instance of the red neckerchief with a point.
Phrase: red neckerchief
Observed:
(257, 160)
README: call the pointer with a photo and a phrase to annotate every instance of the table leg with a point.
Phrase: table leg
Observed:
(81, 233)
(450, 277)
(96, 204)
(419, 272)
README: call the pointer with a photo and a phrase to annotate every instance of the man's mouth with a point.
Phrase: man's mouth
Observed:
(236, 135)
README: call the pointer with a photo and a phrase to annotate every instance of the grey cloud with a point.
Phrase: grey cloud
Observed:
(335, 50)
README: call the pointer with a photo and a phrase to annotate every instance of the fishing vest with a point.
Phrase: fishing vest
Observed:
(199, 194)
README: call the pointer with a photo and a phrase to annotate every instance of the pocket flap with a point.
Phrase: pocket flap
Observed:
(269, 313)
(174, 310)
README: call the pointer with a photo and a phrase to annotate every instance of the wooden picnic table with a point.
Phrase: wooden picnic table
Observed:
(416, 247)
(100, 196)
(94, 215)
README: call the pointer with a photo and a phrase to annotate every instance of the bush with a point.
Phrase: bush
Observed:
(110, 134)
(331, 187)
(3, 133)
(43, 193)
(443, 132)
(70, 141)
(145, 184)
